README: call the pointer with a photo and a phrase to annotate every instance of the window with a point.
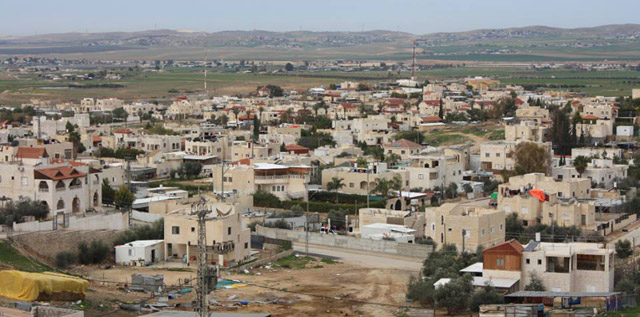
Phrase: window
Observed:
(501, 227)
(499, 262)
(24, 181)
(130, 252)
(539, 261)
(246, 245)
(491, 230)
(351, 185)
(175, 230)
(433, 226)
(193, 229)
(229, 230)
(482, 232)
(420, 176)
(527, 261)
(497, 154)
(486, 155)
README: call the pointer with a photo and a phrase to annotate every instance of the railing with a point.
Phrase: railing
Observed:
(43, 190)
(60, 189)
(71, 187)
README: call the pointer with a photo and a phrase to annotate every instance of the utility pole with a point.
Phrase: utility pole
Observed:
(368, 189)
(207, 277)
(413, 63)
(128, 175)
(464, 233)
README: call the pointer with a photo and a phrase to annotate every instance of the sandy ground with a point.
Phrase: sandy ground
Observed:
(339, 289)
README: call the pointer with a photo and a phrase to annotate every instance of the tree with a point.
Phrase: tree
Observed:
(69, 127)
(513, 224)
(531, 158)
(467, 188)
(108, 193)
(451, 191)
(120, 113)
(15, 211)
(288, 67)
(256, 128)
(441, 110)
(420, 291)
(623, 249)
(454, 296)
(123, 198)
(485, 296)
(361, 162)
(384, 186)
(392, 159)
(411, 135)
(191, 169)
(335, 184)
(561, 130)
(362, 87)
(580, 163)
(535, 284)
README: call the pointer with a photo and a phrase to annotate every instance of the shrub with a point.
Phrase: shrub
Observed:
(486, 295)
(65, 258)
(280, 224)
(420, 291)
(93, 253)
(155, 231)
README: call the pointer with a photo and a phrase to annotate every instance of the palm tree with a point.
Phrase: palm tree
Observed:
(335, 184)
(361, 162)
(580, 163)
(384, 186)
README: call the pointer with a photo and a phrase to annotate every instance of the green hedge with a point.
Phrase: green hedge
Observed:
(267, 200)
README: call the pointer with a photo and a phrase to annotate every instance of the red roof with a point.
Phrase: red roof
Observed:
(295, 147)
(244, 161)
(519, 101)
(590, 117)
(394, 101)
(96, 138)
(403, 143)
(347, 105)
(431, 119)
(31, 152)
(123, 131)
(435, 103)
(58, 173)
(511, 245)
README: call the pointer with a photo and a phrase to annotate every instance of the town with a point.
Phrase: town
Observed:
(374, 173)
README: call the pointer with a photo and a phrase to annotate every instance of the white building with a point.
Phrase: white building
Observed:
(140, 252)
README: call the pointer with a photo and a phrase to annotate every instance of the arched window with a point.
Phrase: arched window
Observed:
(75, 205)
(75, 184)
(60, 204)
(96, 200)
(43, 187)
(60, 186)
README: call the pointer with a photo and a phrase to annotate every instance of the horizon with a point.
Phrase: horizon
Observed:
(410, 16)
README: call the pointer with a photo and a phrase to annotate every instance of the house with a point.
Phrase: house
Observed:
(228, 241)
(403, 148)
(433, 168)
(467, 225)
(362, 180)
(296, 149)
(562, 267)
(385, 231)
(140, 252)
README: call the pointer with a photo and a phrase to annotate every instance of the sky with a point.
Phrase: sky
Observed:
(20, 17)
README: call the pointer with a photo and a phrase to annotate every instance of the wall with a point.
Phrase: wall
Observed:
(114, 221)
(346, 242)
(264, 261)
(65, 240)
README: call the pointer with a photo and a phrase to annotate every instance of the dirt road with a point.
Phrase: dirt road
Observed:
(364, 259)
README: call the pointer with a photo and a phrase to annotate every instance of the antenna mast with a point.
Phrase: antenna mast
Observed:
(207, 276)
(413, 64)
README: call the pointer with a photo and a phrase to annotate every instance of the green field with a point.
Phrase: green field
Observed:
(9, 256)
(163, 86)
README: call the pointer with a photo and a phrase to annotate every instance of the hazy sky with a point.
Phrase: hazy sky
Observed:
(22, 17)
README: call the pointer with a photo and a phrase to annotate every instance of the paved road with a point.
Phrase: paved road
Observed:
(366, 259)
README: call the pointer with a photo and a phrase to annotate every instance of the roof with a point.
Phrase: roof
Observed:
(123, 131)
(480, 281)
(96, 138)
(179, 313)
(391, 227)
(512, 244)
(58, 173)
(140, 243)
(561, 294)
(473, 268)
(431, 119)
(590, 117)
(403, 143)
(31, 152)
(294, 147)
(347, 105)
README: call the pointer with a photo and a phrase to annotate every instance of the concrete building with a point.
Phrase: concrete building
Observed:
(467, 225)
(526, 131)
(243, 149)
(226, 236)
(602, 172)
(403, 148)
(433, 168)
(562, 267)
(361, 181)
(140, 252)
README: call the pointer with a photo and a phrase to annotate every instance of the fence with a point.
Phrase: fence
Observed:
(347, 242)
(113, 221)
(264, 261)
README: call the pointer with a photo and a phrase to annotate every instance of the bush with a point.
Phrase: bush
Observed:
(268, 200)
(65, 258)
(93, 253)
(485, 296)
(420, 291)
(14, 211)
(280, 224)
(623, 249)
(155, 231)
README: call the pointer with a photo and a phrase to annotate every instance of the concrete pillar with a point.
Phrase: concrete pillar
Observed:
(166, 249)
(188, 259)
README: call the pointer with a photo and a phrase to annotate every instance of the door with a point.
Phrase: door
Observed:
(153, 255)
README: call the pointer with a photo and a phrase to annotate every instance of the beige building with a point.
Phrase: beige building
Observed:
(361, 181)
(285, 182)
(526, 131)
(434, 168)
(244, 149)
(602, 172)
(229, 240)
(64, 187)
(536, 114)
(403, 148)
(562, 267)
(577, 188)
(471, 223)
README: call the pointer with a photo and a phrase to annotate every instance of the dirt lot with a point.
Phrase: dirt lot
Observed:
(320, 288)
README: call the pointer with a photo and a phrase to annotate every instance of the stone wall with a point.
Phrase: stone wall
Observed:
(48, 244)
(347, 242)
(113, 221)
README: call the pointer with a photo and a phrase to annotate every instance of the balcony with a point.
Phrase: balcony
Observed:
(72, 187)
(222, 248)
(60, 189)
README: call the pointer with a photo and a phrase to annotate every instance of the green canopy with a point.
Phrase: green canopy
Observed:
(494, 196)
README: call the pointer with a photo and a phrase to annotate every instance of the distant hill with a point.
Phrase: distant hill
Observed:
(317, 39)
